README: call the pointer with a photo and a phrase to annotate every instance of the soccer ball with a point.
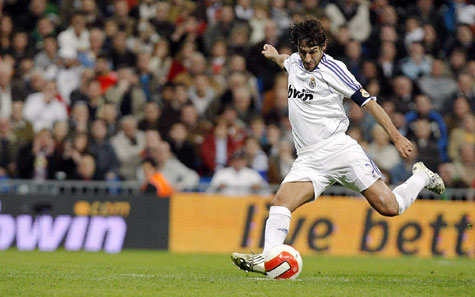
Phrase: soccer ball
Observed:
(283, 262)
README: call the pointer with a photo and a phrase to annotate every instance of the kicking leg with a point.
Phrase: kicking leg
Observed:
(392, 203)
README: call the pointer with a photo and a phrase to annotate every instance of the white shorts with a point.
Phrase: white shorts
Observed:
(338, 159)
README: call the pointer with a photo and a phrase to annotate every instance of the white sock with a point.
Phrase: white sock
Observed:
(277, 227)
(407, 193)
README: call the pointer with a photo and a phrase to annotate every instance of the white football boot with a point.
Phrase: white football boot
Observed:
(249, 262)
(436, 184)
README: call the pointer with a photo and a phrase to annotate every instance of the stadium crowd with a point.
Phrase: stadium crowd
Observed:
(99, 90)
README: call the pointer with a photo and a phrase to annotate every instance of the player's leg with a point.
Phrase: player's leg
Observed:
(289, 197)
(391, 203)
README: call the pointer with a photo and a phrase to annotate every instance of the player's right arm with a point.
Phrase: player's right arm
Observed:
(272, 54)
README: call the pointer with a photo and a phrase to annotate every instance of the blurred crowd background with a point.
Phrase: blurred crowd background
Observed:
(176, 93)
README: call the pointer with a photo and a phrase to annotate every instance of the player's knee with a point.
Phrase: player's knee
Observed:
(388, 210)
(278, 200)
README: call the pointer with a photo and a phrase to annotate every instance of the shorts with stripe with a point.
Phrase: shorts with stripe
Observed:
(337, 159)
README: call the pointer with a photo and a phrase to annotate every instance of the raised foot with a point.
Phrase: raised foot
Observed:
(436, 184)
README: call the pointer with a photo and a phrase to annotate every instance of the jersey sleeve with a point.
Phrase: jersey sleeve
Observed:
(344, 82)
(287, 63)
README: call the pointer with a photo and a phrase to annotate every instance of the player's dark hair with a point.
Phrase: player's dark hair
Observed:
(308, 32)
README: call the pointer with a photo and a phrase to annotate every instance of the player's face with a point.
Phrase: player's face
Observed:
(310, 56)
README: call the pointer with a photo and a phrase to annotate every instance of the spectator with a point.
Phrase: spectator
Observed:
(257, 23)
(68, 77)
(110, 116)
(9, 90)
(144, 39)
(127, 93)
(402, 98)
(428, 149)
(381, 150)
(181, 147)
(417, 64)
(80, 94)
(33, 158)
(461, 135)
(237, 179)
(279, 166)
(147, 81)
(151, 119)
(47, 59)
(107, 163)
(201, 94)
(104, 75)
(145, 9)
(243, 104)
(244, 10)
(79, 119)
(353, 14)
(92, 14)
(85, 169)
(256, 157)
(121, 17)
(263, 69)
(161, 61)
(30, 14)
(68, 163)
(128, 143)
(163, 26)
(438, 86)
(76, 36)
(466, 88)
(179, 176)
(450, 177)
(459, 109)
(155, 182)
(95, 100)
(43, 109)
(120, 55)
(222, 29)
(9, 147)
(197, 128)
(465, 167)
(217, 147)
(457, 61)
(172, 104)
(6, 31)
(437, 125)
(414, 32)
(88, 57)
(280, 16)
(22, 128)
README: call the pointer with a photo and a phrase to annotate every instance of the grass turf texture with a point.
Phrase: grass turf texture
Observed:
(153, 273)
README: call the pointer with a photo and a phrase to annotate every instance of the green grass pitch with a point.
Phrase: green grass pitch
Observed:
(158, 273)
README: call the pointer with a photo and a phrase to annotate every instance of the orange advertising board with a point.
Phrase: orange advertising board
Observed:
(331, 225)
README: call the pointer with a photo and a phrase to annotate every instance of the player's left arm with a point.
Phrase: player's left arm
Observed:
(403, 145)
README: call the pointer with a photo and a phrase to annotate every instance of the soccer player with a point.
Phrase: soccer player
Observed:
(317, 85)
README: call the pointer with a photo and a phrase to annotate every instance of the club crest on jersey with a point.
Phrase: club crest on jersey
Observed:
(364, 93)
(312, 83)
(296, 94)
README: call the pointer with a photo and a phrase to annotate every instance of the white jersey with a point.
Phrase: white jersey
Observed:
(315, 98)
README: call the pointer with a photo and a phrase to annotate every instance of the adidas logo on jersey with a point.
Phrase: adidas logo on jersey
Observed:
(303, 94)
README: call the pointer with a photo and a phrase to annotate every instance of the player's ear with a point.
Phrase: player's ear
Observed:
(324, 47)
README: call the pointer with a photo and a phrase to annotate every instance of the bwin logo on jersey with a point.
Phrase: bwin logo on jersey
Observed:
(303, 94)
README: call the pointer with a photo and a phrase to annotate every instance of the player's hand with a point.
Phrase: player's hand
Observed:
(404, 147)
(269, 51)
